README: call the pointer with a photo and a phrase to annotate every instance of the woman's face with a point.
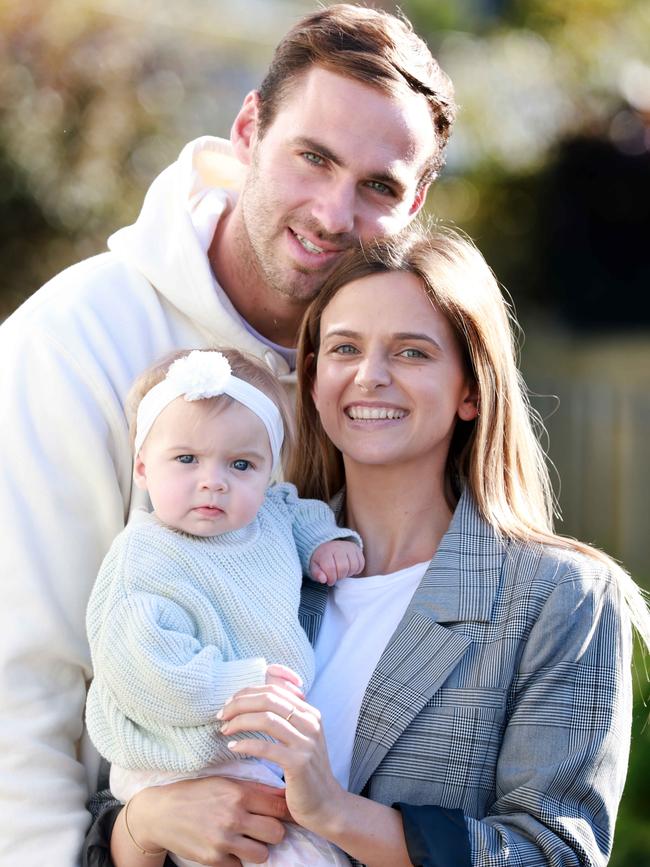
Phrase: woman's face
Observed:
(390, 380)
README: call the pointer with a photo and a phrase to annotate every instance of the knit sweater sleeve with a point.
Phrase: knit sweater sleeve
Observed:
(152, 673)
(312, 522)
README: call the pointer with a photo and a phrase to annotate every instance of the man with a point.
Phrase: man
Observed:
(337, 147)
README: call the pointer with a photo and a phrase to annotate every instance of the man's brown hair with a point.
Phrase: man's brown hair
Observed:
(371, 46)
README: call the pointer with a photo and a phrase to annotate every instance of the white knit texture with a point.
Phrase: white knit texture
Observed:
(178, 623)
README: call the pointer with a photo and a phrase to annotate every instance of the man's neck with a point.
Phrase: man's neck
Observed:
(273, 316)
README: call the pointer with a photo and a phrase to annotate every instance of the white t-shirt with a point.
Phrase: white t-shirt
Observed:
(359, 620)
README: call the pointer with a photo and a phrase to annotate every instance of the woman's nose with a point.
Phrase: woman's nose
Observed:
(372, 373)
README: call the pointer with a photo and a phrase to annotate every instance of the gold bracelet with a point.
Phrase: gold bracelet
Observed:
(133, 840)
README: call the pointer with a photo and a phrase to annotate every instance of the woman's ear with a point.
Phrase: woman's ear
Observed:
(139, 473)
(468, 406)
(243, 133)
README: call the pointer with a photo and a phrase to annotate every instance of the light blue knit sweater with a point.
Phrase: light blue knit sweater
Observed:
(178, 623)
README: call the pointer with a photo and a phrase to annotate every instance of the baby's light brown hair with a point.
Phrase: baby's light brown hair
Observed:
(243, 366)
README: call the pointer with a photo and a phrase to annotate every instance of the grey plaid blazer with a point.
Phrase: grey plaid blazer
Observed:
(504, 692)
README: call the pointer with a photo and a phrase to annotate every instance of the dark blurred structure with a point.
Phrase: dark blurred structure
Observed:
(594, 233)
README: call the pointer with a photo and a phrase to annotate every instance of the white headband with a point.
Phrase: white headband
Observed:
(203, 374)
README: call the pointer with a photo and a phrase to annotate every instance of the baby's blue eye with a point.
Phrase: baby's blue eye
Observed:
(185, 459)
(241, 464)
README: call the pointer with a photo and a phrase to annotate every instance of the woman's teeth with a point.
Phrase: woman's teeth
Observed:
(368, 412)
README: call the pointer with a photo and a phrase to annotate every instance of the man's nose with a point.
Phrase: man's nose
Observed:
(334, 208)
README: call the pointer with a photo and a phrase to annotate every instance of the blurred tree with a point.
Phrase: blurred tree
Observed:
(553, 129)
(94, 102)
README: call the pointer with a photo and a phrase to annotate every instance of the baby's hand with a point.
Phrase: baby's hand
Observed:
(282, 675)
(334, 560)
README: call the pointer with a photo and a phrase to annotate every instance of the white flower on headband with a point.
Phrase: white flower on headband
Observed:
(199, 375)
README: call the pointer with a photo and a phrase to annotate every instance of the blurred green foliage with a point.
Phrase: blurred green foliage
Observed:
(632, 840)
(95, 99)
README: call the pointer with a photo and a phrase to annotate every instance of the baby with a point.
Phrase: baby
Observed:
(199, 598)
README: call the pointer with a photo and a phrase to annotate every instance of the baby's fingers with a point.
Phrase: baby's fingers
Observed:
(318, 574)
(276, 669)
(358, 561)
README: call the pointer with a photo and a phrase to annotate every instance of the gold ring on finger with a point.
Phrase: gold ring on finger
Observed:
(290, 714)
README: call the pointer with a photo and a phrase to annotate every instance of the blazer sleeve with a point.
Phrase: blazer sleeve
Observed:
(435, 836)
(563, 759)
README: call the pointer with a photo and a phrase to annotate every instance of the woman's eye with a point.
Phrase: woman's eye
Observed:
(241, 465)
(186, 459)
(412, 353)
(345, 349)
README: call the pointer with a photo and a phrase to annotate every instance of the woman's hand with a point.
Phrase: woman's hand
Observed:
(370, 832)
(215, 821)
(313, 795)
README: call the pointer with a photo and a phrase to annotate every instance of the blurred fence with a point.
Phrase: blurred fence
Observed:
(595, 400)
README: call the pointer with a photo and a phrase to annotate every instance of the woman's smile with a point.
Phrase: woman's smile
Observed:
(374, 412)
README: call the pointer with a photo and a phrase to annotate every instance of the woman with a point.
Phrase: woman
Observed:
(474, 685)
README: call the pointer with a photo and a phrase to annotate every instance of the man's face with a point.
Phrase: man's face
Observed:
(340, 163)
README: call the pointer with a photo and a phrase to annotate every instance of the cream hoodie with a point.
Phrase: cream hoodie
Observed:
(67, 359)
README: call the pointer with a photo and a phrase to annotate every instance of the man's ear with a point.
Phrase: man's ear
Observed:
(419, 200)
(139, 473)
(243, 134)
(468, 407)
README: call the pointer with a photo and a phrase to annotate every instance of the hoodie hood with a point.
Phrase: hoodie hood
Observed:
(169, 241)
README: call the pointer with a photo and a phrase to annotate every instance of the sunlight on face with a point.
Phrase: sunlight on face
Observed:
(318, 183)
(390, 379)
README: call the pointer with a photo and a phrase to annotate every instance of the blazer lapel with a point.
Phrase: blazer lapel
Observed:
(313, 596)
(313, 599)
(416, 662)
(459, 585)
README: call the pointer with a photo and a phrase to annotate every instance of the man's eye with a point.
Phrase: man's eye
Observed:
(380, 188)
(241, 465)
(314, 159)
(185, 459)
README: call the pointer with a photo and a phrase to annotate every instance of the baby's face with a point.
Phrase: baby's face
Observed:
(206, 468)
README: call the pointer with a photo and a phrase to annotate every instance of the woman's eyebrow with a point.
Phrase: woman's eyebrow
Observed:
(414, 335)
(398, 335)
(342, 332)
